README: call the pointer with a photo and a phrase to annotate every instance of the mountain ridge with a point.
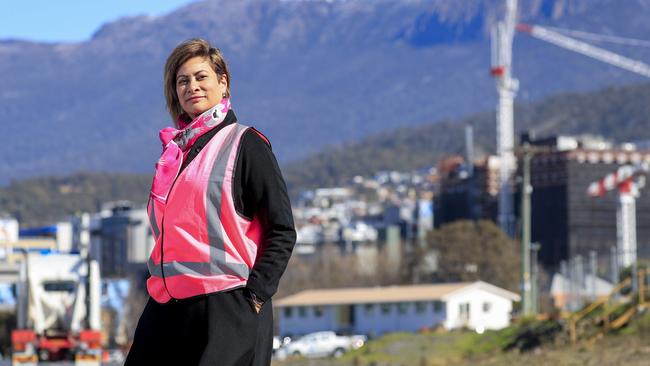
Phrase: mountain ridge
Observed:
(299, 68)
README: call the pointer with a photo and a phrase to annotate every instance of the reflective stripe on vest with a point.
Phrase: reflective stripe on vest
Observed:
(205, 245)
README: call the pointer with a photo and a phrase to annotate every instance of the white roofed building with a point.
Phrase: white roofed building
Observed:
(378, 310)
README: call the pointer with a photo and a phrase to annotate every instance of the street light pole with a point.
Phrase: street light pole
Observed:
(526, 190)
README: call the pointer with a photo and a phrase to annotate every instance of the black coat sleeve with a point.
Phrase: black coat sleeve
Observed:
(261, 191)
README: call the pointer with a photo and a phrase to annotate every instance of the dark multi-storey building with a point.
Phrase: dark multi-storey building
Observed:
(566, 221)
(467, 193)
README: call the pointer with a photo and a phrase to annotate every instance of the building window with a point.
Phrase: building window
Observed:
(318, 311)
(437, 306)
(486, 307)
(402, 307)
(385, 308)
(420, 307)
(302, 311)
(369, 308)
(288, 312)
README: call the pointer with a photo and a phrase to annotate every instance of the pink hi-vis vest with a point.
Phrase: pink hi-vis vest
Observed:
(202, 244)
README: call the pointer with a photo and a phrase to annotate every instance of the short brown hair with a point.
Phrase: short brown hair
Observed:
(189, 49)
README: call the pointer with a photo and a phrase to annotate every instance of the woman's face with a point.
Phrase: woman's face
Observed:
(198, 87)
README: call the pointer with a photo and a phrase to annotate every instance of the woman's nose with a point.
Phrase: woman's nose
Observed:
(194, 85)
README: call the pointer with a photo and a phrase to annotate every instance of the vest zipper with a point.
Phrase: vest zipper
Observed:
(162, 240)
(162, 256)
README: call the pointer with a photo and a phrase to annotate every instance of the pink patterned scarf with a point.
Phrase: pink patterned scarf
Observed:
(177, 142)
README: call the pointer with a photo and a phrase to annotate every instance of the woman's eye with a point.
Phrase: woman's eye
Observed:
(200, 77)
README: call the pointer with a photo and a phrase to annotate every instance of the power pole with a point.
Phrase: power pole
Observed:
(580, 279)
(593, 270)
(535, 247)
(469, 149)
(473, 207)
(526, 190)
(613, 266)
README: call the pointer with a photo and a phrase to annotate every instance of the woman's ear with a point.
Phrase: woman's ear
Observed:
(223, 79)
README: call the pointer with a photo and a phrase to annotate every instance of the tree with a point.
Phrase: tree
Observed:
(474, 250)
(331, 269)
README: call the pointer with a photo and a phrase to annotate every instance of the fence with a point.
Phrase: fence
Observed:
(584, 279)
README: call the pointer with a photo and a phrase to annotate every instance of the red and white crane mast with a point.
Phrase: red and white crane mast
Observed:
(628, 179)
(502, 35)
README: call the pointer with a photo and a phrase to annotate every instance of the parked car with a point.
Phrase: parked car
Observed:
(279, 342)
(116, 356)
(322, 344)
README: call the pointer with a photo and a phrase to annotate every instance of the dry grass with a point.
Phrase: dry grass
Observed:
(630, 347)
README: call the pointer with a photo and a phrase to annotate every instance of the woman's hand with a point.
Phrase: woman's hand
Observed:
(255, 302)
(257, 306)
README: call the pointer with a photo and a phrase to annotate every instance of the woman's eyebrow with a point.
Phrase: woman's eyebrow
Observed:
(194, 73)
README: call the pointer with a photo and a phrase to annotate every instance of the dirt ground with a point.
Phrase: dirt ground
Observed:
(447, 349)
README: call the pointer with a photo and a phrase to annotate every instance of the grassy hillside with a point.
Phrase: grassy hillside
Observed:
(619, 113)
(494, 348)
(46, 200)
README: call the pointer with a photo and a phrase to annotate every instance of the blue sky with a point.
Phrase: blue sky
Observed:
(71, 20)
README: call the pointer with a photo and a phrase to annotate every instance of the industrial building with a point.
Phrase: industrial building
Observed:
(467, 191)
(566, 221)
(124, 237)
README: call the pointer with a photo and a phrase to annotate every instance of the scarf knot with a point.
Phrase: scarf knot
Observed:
(175, 144)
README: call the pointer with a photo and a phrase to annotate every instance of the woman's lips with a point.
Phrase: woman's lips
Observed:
(194, 99)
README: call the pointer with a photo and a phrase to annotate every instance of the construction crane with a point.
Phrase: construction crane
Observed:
(507, 86)
(628, 179)
(502, 35)
(572, 44)
(628, 189)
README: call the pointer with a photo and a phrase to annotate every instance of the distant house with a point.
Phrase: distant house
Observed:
(378, 310)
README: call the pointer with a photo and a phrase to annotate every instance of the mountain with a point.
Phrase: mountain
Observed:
(309, 74)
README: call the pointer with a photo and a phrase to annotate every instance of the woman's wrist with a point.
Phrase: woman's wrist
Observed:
(256, 302)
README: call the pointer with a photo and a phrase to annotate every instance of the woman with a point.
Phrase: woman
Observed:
(221, 217)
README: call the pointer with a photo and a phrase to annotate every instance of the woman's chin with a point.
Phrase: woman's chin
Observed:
(197, 112)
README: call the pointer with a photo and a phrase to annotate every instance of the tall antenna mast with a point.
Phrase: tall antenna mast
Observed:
(502, 35)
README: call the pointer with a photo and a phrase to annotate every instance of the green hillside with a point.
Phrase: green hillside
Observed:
(620, 113)
(46, 200)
